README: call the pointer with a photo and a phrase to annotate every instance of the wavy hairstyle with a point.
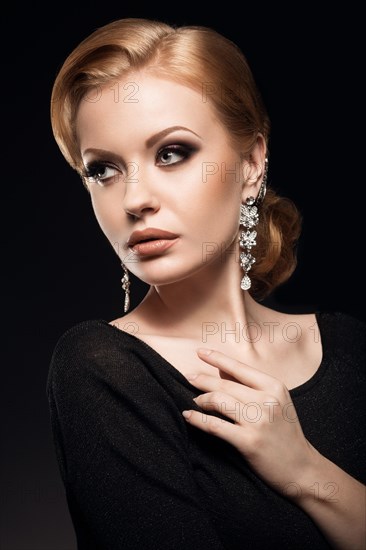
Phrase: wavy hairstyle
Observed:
(204, 60)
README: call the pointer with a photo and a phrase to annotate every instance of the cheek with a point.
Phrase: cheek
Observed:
(108, 212)
(217, 204)
(222, 180)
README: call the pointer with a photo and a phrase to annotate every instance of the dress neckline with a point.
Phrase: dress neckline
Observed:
(294, 392)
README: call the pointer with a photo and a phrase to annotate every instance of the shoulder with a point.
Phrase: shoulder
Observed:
(92, 337)
(343, 340)
(96, 352)
(335, 325)
(83, 340)
(99, 372)
(334, 328)
(335, 333)
(342, 329)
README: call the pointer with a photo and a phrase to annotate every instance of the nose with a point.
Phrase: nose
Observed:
(139, 197)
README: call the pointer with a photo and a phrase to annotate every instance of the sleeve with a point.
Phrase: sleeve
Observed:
(122, 450)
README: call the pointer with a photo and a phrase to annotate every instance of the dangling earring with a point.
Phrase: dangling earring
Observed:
(249, 218)
(126, 287)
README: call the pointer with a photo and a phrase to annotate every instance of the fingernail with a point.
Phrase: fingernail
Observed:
(191, 376)
(186, 414)
(204, 351)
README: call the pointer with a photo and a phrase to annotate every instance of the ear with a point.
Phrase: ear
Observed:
(253, 168)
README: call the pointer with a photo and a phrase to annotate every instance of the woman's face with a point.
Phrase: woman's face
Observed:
(158, 158)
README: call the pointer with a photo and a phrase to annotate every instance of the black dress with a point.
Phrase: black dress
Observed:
(137, 475)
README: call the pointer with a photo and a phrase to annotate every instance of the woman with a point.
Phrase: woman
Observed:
(201, 418)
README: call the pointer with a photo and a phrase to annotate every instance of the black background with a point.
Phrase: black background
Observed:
(59, 268)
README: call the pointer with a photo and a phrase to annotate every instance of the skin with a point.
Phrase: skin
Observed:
(195, 284)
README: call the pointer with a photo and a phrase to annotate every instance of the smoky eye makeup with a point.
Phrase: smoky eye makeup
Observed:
(174, 153)
(104, 172)
(99, 172)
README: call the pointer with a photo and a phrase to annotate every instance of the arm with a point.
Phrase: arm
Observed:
(276, 448)
(122, 450)
(335, 501)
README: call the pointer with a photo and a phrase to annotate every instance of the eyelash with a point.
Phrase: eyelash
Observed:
(184, 149)
(95, 168)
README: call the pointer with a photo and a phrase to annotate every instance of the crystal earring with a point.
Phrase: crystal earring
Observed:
(249, 218)
(126, 287)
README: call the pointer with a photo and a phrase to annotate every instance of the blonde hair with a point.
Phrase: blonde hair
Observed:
(204, 60)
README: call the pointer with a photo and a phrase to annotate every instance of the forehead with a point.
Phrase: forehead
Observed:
(141, 104)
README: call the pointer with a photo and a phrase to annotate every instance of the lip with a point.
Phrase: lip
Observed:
(151, 241)
(154, 247)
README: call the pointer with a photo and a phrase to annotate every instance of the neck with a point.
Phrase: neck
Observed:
(208, 302)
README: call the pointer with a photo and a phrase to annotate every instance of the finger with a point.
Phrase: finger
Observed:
(223, 403)
(244, 373)
(232, 389)
(232, 433)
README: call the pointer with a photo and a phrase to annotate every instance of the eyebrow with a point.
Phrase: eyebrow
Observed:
(149, 142)
(103, 153)
(156, 137)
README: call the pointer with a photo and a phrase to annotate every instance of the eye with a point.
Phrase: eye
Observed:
(173, 154)
(100, 173)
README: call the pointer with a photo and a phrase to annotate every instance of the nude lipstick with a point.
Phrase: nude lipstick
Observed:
(151, 241)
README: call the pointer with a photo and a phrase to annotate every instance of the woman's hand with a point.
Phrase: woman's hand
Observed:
(266, 432)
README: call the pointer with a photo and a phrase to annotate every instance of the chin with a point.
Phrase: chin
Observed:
(160, 274)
